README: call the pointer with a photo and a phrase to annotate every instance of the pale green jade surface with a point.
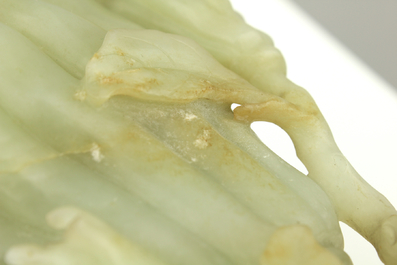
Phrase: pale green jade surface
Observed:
(118, 144)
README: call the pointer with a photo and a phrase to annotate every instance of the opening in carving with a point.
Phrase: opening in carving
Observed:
(279, 142)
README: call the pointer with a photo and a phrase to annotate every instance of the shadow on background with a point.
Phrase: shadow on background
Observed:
(367, 27)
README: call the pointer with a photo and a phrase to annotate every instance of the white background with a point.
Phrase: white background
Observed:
(359, 106)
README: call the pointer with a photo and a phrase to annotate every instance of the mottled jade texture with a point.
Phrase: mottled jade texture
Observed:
(118, 144)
